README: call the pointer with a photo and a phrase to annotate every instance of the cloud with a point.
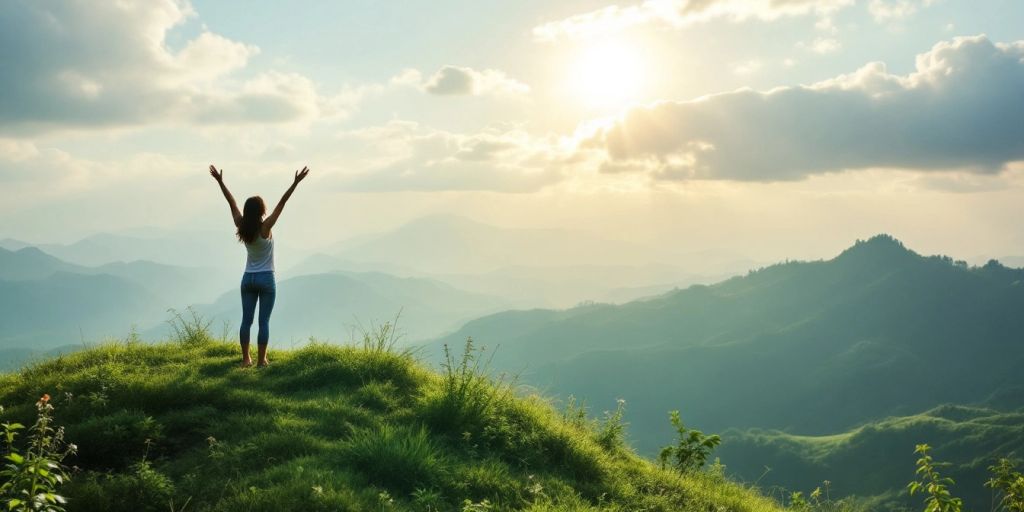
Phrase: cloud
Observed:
(269, 97)
(892, 10)
(747, 67)
(30, 173)
(42, 170)
(454, 80)
(822, 45)
(961, 183)
(960, 109)
(420, 158)
(71, 64)
(680, 13)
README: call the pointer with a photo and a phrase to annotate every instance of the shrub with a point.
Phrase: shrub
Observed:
(1009, 483)
(691, 450)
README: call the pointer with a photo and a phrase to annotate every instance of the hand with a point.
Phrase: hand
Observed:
(219, 176)
(300, 175)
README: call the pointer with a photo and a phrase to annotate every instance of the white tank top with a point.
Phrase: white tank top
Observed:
(260, 255)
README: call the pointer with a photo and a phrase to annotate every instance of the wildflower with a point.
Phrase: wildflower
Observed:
(44, 399)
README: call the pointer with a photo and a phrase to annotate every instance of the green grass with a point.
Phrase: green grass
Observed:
(177, 426)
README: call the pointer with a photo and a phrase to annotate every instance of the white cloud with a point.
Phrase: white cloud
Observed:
(208, 57)
(746, 67)
(455, 80)
(14, 150)
(30, 173)
(892, 10)
(501, 159)
(71, 64)
(680, 13)
(42, 170)
(822, 45)
(960, 109)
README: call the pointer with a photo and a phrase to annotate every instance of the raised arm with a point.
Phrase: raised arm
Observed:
(236, 215)
(269, 222)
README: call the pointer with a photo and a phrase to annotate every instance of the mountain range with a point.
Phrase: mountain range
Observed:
(803, 348)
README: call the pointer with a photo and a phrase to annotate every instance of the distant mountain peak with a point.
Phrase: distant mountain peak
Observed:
(881, 248)
(34, 251)
(11, 244)
(882, 240)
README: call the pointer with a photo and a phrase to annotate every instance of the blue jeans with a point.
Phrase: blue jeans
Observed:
(257, 286)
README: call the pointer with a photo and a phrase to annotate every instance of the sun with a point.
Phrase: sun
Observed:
(607, 75)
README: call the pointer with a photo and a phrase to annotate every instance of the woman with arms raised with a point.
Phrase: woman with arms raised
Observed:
(258, 283)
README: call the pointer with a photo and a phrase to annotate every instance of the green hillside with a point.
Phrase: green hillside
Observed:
(811, 348)
(875, 459)
(178, 426)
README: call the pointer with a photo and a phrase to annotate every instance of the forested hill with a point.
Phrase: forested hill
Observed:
(809, 347)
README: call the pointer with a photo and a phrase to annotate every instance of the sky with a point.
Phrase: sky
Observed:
(771, 128)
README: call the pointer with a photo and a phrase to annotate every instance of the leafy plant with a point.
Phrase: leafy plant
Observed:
(470, 506)
(385, 501)
(1009, 483)
(933, 484)
(820, 500)
(29, 480)
(691, 450)
(428, 500)
(798, 503)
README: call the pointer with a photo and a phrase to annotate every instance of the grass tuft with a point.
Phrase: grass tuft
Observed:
(395, 456)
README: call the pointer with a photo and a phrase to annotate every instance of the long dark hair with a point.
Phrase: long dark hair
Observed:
(252, 219)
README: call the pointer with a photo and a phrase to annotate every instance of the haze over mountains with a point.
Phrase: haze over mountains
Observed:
(529, 267)
(439, 271)
(168, 247)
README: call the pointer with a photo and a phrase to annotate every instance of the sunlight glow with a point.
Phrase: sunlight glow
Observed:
(607, 75)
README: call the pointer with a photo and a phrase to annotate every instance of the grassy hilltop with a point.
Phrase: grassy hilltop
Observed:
(177, 426)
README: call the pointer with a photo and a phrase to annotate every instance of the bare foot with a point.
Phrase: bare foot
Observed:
(246, 364)
(263, 364)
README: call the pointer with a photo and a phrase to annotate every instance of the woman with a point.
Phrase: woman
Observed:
(258, 280)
